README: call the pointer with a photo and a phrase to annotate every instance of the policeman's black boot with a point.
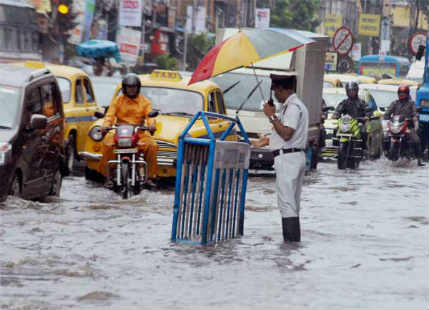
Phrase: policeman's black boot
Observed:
(420, 162)
(284, 229)
(293, 229)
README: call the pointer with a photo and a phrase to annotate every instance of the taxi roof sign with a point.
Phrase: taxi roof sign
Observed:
(165, 75)
(34, 64)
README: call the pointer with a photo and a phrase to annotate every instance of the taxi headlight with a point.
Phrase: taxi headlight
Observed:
(95, 133)
(424, 103)
(4, 151)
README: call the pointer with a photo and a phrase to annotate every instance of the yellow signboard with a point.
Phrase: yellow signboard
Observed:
(401, 16)
(369, 25)
(332, 23)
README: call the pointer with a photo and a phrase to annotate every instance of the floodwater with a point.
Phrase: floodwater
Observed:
(364, 245)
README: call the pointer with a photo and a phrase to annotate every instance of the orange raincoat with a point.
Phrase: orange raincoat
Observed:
(125, 110)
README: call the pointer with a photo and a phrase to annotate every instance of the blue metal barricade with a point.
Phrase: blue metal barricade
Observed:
(211, 180)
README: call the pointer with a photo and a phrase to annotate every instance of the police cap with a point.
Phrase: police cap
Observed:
(284, 81)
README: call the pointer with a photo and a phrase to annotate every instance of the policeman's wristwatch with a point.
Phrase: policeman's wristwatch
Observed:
(272, 118)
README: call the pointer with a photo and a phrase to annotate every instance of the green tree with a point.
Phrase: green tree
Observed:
(198, 46)
(297, 14)
(166, 62)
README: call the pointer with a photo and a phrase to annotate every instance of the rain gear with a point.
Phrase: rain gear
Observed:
(125, 110)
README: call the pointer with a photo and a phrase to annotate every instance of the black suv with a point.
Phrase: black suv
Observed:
(31, 133)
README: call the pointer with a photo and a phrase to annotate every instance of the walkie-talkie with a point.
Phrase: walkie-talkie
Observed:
(270, 101)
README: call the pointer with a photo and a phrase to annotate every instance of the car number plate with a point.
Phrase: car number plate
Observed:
(125, 151)
(424, 117)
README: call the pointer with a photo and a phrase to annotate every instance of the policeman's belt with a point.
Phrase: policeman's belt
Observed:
(284, 151)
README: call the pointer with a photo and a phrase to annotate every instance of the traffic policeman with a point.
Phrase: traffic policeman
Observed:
(288, 141)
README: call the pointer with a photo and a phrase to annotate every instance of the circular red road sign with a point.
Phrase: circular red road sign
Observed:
(343, 40)
(418, 38)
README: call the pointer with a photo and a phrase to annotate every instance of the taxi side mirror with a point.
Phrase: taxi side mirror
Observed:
(38, 121)
(98, 114)
(153, 113)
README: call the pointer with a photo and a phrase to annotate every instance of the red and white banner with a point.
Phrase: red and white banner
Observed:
(262, 18)
(129, 44)
(130, 13)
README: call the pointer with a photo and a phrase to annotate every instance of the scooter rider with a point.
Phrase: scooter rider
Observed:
(353, 106)
(132, 108)
(407, 108)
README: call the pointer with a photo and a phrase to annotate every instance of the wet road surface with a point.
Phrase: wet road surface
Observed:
(364, 244)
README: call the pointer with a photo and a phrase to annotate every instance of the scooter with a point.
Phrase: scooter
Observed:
(349, 141)
(397, 145)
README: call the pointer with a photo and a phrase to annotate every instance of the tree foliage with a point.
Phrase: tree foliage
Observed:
(198, 46)
(297, 14)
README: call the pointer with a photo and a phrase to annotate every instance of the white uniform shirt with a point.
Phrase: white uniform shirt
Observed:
(293, 114)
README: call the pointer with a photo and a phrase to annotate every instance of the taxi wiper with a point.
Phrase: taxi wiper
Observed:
(5, 127)
(230, 87)
(178, 113)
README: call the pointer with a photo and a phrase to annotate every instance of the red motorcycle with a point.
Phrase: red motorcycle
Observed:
(129, 162)
(398, 142)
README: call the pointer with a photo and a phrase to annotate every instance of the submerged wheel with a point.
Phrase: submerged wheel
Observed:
(57, 181)
(341, 158)
(124, 180)
(16, 186)
(71, 153)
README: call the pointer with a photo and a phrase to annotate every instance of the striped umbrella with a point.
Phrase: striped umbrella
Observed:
(246, 47)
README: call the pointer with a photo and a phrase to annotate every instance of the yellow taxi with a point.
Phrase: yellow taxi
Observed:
(177, 102)
(338, 79)
(398, 82)
(79, 104)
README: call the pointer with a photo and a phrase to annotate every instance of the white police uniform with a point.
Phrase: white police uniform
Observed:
(290, 163)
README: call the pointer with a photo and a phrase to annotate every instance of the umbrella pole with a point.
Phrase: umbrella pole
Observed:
(259, 84)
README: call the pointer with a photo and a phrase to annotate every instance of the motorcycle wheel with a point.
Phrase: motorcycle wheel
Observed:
(394, 151)
(124, 178)
(342, 156)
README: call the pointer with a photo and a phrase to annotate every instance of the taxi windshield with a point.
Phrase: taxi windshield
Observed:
(236, 96)
(333, 99)
(170, 100)
(65, 87)
(383, 98)
(9, 99)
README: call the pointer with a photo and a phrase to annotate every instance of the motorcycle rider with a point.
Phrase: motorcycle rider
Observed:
(353, 106)
(407, 108)
(131, 108)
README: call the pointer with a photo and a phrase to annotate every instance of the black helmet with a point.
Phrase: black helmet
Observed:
(131, 79)
(351, 85)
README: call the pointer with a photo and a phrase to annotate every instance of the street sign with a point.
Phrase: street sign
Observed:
(418, 38)
(343, 40)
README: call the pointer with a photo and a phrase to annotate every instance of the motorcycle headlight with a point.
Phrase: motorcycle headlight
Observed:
(95, 133)
(4, 150)
(345, 127)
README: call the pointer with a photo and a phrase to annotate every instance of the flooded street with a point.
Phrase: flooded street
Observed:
(364, 244)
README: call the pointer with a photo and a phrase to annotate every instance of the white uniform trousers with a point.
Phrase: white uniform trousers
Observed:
(290, 169)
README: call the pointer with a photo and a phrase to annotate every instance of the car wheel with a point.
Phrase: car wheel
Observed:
(56, 184)
(16, 186)
(71, 153)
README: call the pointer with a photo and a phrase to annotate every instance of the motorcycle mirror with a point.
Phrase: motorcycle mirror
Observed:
(154, 113)
(328, 108)
(98, 114)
